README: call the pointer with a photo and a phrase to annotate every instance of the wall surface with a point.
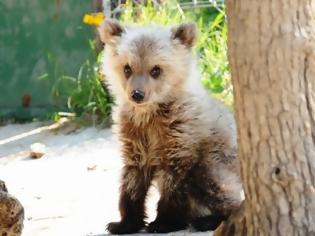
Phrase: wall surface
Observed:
(40, 42)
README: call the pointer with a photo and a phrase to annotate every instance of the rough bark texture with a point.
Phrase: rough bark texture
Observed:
(272, 59)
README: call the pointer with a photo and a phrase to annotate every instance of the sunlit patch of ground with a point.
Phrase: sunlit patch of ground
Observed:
(73, 189)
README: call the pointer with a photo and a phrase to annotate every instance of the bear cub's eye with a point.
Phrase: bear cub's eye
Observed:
(155, 72)
(127, 71)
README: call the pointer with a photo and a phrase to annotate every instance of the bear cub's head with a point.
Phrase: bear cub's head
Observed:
(146, 64)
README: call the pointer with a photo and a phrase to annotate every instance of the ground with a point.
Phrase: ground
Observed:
(73, 189)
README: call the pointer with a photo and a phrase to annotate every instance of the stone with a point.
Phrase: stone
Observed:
(11, 213)
(37, 150)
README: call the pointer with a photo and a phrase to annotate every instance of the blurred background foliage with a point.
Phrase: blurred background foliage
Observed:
(40, 42)
(50, 59)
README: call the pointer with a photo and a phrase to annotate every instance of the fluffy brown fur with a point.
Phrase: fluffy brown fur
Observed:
(175, 134)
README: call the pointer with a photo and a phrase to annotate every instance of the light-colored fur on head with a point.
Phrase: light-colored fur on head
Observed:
(143, 47)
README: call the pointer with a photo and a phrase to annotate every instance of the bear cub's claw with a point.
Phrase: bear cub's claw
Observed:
(164, 227)
(124, 227)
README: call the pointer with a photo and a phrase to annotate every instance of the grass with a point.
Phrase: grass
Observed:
(88, 99)
(86, 94)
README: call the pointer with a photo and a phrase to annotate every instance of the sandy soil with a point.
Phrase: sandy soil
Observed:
(73, 189)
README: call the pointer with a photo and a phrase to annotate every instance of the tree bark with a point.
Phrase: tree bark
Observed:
(271, 51)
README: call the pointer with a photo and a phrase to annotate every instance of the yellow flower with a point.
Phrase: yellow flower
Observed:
(94, 18)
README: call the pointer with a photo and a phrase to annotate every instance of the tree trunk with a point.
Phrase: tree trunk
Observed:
(272, 59)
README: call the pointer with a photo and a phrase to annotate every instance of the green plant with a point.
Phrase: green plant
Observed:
(86, 94)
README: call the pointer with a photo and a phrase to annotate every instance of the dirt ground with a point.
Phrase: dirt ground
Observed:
(73, 189)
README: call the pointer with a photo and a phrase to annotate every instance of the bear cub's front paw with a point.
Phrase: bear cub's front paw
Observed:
(165, 227)
(124, 227)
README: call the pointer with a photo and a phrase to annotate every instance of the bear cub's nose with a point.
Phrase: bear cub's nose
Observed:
(137, 95)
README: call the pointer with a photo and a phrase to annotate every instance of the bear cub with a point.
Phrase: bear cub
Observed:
(171, 131)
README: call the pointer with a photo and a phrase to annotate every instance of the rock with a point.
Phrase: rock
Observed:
(93, 167)
(37, 150)
(11, 214)
(3, 187)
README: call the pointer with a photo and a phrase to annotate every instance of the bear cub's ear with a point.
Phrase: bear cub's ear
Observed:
(185, 33)
(110, 30)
